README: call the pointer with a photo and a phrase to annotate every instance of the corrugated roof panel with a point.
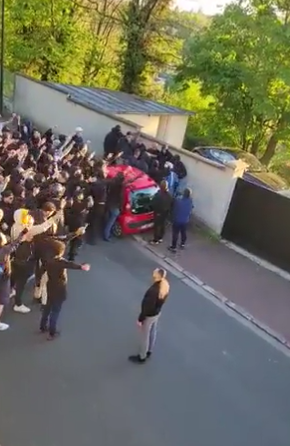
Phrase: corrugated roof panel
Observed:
(116, 102)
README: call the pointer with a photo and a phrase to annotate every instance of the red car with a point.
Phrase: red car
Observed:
(137, 214)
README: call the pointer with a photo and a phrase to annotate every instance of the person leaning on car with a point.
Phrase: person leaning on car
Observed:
(162, 205)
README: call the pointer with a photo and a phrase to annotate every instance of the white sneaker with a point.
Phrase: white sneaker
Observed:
(21, 309)
(12, 294)
(3, 326)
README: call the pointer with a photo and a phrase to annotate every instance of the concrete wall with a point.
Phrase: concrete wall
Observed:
(149, 123)
(47, 107)
(172, 129)
(212, 185)
(168, 128)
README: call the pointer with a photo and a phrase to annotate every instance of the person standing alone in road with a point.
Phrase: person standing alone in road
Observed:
(151, 306)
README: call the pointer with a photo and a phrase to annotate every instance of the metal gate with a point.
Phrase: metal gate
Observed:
(258, 220)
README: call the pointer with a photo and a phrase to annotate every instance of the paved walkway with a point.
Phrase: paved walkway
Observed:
(211, 382)
(260, 292)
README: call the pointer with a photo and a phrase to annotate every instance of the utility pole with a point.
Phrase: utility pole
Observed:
(2, 57)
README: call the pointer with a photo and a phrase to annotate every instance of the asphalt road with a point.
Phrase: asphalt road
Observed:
(211, 382)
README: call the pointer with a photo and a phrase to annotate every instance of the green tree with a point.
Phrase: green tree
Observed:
(44, 38)
(243, 61)
(147, 46)
(101, 39)
(198, 129)
(182, 24)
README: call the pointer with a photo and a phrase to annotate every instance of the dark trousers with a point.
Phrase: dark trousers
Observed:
(95, 224)
(178, 229)
(50, 315)
(38, 271)
(20, 275)
(159, 226)
(74, 247)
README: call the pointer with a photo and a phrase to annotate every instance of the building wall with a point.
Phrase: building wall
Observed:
(175, 130)
(47, 107)
(212, 185)
(149, 123)
(169, 128)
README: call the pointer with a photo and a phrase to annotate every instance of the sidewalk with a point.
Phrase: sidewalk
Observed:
(256, 291)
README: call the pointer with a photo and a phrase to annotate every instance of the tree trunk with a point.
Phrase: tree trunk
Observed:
(135, 35)
(254, 147)
(45, 71)
(270, 150)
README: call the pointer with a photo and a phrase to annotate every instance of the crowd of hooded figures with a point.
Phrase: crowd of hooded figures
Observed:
(56, 195)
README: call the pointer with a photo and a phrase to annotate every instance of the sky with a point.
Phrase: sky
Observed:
(209, 7)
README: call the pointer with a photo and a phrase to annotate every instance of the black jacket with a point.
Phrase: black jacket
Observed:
(115, 194)
(156, 174)
(164, 156)
(8, 214)
(76, 215)
(162, 202)
(24, 253)
(111, 142)
(125, 147)
(180, 170)
(151, 304)
(57, 277)
(98, 190)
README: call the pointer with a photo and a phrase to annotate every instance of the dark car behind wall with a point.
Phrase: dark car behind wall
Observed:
(224, 155)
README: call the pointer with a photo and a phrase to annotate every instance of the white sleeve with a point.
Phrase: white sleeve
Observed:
(39, 229)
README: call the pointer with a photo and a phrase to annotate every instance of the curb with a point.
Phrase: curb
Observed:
(217, 295)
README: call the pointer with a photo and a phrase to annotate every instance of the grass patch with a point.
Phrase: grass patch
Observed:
(203, 231)
(209, 234)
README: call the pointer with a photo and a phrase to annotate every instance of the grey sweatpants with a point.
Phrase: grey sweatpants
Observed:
(148, 335)
(43, 288)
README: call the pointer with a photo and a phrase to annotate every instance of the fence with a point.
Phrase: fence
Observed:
(258, 220)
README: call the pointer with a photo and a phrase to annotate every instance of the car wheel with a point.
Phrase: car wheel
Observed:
(117, 230)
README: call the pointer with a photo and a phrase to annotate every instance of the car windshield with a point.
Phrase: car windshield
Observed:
(222, 156)
(141, 200)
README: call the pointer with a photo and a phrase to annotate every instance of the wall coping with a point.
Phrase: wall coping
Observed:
(237, 166)
(186, 152)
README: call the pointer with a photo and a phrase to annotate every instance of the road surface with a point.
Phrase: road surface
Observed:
(211, 382)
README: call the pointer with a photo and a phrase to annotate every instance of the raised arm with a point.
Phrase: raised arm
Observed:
(8, 249)
(43, 227)
(72, 265)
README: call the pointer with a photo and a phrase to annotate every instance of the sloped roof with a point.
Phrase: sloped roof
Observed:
(115, 102)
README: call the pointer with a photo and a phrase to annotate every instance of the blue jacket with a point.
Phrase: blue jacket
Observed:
(182, 208)
(172, 181)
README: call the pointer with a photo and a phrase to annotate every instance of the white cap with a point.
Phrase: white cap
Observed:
(79, 130)
(56, 143)
(168, 165)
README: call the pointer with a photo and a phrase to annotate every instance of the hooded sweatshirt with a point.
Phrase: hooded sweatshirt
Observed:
(23, 220)
(182, 209)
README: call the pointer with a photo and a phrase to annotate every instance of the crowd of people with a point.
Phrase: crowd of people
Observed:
(173, 202)
(158, 162)
(55, 194)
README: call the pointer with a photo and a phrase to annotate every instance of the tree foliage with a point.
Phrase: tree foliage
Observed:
(149, 47)
(111, 43)
(243, 61)
(234, 68)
